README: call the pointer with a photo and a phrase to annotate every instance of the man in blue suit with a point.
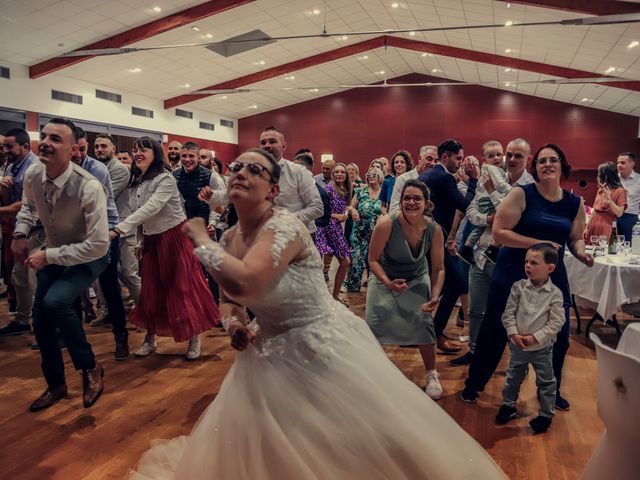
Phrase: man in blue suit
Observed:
(447, 199)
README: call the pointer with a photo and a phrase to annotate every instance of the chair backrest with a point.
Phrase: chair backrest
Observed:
(618, 392)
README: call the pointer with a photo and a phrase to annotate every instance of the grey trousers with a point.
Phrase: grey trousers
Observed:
(478, 290)
(129, 271)
(541, 361)
(24, 280)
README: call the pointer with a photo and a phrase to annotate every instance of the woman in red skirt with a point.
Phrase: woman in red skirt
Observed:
(175, 300)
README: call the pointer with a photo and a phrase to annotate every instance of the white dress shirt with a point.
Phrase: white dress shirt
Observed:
(84, 200)
(632, 186)
(536, 311)
(394, 203)
(299, 194)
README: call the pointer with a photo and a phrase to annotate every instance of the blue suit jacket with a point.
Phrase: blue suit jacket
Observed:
(446, 196)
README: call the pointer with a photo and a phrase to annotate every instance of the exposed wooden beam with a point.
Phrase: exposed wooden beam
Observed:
(137, 34)
(591, 7)
(502, 61)
(279, 70)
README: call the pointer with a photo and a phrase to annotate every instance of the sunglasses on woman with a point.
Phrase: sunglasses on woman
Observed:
(254, 169)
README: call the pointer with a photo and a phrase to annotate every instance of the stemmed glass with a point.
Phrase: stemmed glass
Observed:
(619, 243)
(626, 248)
(603, 241)
(594, 241)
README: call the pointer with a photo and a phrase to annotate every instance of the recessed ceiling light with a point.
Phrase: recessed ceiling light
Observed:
(254, 107)
(344, 37)
(395, 5)
(224, 97)
(290, 77)
(316, 11)
(633, 44)
(585, 99)
(363, 57)
(508, 50)
(381, 72)
(507, 70)
(209, 35)
(187, 85)
(314, 90)
(261, 62)
(435, 70)
(412, 34)
(508, 23)
(508, 5)
(610, 70)
(507, 84)
(424, 54)
(156, 9)
(135, 70)
(197, 29)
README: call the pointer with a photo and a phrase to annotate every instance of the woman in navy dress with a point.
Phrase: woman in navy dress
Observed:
(538, 212)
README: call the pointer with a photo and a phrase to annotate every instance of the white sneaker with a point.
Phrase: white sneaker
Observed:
(194, 350)
(433, 389)
(148, 346)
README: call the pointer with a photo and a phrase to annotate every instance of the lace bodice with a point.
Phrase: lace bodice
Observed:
(297, 302)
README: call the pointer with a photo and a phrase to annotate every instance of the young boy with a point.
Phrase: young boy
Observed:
(493, 168)
(533, 316)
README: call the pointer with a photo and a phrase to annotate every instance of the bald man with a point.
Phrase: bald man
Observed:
(173, 153)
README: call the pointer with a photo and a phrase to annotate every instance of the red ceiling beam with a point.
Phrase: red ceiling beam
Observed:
(137, 34)
(591, 7)
(503, 61)
(273, 72)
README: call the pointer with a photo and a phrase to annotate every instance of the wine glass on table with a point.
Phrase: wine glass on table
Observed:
(603, 241)
(594, 242)
(619, 242)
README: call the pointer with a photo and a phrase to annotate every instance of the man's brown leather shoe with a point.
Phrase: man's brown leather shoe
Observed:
(92, 385)
(49, 397)
(122, 347)
(445, 346)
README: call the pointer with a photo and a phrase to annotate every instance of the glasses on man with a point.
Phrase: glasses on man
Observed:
(415, 199)
(254, 169)
(549, 160)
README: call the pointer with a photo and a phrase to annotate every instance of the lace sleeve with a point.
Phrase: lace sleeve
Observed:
(286, 228)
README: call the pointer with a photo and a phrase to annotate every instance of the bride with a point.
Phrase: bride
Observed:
(311, 394)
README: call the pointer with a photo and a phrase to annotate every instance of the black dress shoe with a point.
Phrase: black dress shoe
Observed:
(49, 397)
(14, 328)
(122, 347)
(92, 385)
(463, 360)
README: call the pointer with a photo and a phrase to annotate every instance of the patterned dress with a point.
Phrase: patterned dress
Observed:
(369, 209)
(330, 240)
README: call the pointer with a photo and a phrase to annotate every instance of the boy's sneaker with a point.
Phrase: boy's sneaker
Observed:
(562, 403)
(505, 414)
(540, 424)
(466, 254)
(468, 395)
(433, 388)
(491, 254)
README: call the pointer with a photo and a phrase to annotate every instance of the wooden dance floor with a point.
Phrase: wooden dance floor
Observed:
(163, 395)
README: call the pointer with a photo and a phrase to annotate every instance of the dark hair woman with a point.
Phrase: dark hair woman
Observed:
(610, 202)
(530, 214)
(175, 300)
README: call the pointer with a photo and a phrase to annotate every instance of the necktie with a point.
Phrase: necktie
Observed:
(49, 189)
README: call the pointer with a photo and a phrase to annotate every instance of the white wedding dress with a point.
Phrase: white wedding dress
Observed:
(315, 397)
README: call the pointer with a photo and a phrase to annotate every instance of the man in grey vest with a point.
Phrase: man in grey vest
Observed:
(72, 207)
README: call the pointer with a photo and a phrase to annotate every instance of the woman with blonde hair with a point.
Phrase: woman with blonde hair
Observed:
(330, 239)
(365, 209)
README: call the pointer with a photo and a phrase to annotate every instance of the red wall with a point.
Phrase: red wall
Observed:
(226, 152)
(361, 124)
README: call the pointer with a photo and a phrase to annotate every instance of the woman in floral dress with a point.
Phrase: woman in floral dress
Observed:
(365, 209)
(330, 240)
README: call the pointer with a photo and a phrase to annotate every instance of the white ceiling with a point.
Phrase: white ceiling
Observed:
(31, 31)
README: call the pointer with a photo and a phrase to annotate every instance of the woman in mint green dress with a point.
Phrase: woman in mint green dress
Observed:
(403, 291)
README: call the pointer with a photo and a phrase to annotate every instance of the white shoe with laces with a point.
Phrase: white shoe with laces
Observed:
(194, 350)
(433, 388)
(148, 346)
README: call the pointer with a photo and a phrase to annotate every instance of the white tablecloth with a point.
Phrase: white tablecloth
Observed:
(611, 282)
(630, 340)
